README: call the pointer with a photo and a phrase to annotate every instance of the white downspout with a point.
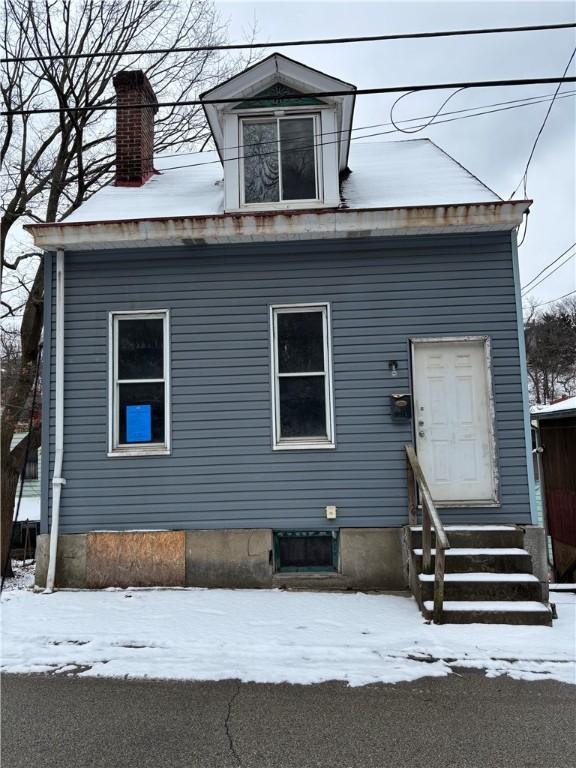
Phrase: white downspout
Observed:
(57, 479)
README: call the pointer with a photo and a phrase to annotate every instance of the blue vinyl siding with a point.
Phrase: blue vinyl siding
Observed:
(222, 471)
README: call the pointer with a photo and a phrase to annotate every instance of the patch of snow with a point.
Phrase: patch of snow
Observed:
(569, 404)
(479, 551)
(23, 575)
(562, 587)
(406, 173)
(268, 636)
(506, 577)
(490, 605)
(387, 174)
(470, 528)
(196, 190)
(521, 670)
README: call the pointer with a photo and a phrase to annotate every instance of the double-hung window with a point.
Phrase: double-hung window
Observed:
(280, 159)
(139, 383)
(302, 377)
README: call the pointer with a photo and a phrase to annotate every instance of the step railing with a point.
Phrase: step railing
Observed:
(430, 517)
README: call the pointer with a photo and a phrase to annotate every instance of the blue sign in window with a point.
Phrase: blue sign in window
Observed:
(138, 423)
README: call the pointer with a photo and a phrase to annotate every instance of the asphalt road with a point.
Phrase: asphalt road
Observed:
(464, 722)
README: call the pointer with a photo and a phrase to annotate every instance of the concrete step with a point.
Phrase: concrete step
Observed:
(484, 586)
(492, 612)
(475, 536)
(481, 560)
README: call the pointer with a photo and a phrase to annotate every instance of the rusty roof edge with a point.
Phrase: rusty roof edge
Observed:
(280, 226)
(524, 204)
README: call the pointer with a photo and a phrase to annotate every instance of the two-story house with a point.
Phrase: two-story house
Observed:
(240, 344)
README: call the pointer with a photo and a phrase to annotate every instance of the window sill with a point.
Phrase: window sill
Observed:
(297, 205)
(132, 452)
(470, 504)
(303, 446)
(318, 575)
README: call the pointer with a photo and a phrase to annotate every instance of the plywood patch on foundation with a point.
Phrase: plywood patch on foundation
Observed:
(135, 559)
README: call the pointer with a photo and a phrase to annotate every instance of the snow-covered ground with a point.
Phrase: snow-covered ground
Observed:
(268, 636)
(23, 575)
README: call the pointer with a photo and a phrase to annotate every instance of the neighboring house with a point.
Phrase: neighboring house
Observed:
(247, 339)
(554, 429)
(28, 523)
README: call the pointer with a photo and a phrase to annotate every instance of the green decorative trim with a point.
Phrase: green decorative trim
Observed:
(334, 535)
(273, 96)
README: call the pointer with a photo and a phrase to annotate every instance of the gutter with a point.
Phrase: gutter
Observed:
(275, 226)
(57, 480)
(567, 413)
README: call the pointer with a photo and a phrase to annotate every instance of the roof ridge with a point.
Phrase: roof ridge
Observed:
(473, 175)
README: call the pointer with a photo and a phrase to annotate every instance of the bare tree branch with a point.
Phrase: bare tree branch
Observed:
(52, 164)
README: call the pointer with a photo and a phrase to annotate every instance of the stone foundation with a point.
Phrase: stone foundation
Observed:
(370, 559)
(70, 560)
(229, 558)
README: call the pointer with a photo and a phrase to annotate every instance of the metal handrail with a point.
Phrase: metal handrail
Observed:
(430, 517)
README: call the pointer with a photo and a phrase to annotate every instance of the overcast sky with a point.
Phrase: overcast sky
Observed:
(494, 147)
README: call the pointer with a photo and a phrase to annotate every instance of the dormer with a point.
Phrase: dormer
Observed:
(282, 147)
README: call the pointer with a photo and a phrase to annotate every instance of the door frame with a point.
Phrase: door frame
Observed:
(494, 501)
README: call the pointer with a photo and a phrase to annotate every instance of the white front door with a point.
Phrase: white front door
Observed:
(453, 420)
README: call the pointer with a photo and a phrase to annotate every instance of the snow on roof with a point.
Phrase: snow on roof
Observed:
(395, 174)
(569, 404)
(391, 174)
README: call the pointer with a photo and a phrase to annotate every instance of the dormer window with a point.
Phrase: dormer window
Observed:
(279, 159)
(282, 139)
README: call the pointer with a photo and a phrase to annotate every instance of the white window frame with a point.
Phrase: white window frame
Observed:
(115, 448)
(299, 443)
(277, 116)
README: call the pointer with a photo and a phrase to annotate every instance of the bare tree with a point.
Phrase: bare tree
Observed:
(551, 350)
(10, 359)
(52, 163)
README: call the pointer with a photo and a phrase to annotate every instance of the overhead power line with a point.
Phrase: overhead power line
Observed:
(559, 298)
(503, 106)
(323, 143)
(500, 106)
(521, 242)
(295, 96)
(562, 264)
(551, 264)
(524, 179)
(293, 43)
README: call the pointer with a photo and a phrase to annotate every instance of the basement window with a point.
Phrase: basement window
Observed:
(139, 383)
(306, 551)
(302, 377)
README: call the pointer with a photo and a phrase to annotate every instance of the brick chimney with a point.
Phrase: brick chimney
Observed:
(134, 129)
